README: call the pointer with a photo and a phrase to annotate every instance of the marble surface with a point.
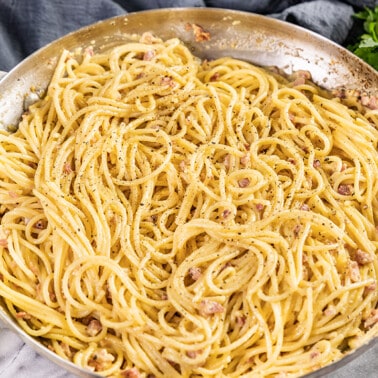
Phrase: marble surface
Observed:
(18, 360)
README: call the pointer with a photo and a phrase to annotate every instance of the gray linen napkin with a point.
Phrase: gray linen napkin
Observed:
(28, 25)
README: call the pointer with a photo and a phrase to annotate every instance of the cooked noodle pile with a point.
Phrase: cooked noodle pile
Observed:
(163, 216)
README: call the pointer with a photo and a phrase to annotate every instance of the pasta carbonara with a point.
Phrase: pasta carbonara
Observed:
(163, 216)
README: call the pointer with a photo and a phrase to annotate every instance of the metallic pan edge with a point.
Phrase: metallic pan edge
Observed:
(255, 38)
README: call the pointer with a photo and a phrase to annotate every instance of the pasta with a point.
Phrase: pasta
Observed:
(163, 216)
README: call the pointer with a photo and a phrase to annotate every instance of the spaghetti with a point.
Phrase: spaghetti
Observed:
(163, 216)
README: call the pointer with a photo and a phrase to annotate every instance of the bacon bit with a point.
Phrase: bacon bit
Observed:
(193, 353)
(226, 213)
(200, 34)
(296, 230)
(240, 320)
(343, 167)
(164, 296)
(227, 161)
(305, 74)
(244, 160)
(182, 166)
(94, 327)
(305, 207)
(369, 101)
(86, 320)
(23, 315)
(345, 189)
(363, 257)
(291, 117)
(299, 81)
(316, 164)
(215, 77)
(314, 354)
(340, 93)
(372, 319)
(373, 105)
(101, 360)
(354, 271)
(13, 194)
(247, 146)
(208, 308)
(369, 288)
(52, 295)
(4, 243)
(67, 168)
(292, 161)
(259, 207)
(301, 74)
(195, 273)
(131, 373)
(166, 80)
(149, 38)
(89, 51)
(243, 183)
(365, 100)
(149, 55)
(330, 311)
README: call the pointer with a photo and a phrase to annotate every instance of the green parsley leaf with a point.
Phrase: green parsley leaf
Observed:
(367, 45)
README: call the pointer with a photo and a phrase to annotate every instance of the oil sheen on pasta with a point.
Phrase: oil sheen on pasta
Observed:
(163, 216)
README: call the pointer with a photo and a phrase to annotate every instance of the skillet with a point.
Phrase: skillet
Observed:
(251, 37)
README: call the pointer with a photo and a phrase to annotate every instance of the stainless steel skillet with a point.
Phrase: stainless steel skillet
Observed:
(258, 39)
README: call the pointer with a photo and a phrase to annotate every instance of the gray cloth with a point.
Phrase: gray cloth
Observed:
(311, 15)
(26, 25)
